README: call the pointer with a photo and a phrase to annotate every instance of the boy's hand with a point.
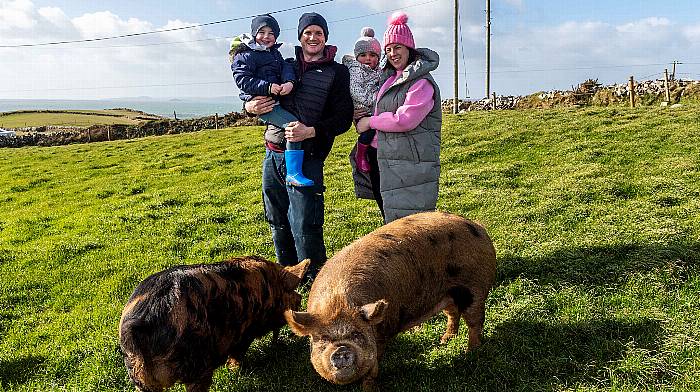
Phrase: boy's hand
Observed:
(275, 89)
(286, 88)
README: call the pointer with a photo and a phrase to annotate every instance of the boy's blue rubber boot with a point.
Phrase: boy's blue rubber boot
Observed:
(294, 159)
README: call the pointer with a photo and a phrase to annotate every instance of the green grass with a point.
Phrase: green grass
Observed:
(76, 118)
(593, 212)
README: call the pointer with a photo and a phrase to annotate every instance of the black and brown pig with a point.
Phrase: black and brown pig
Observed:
(182, 323)
(391, 280)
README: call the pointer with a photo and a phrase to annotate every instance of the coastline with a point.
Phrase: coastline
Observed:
(183, 108)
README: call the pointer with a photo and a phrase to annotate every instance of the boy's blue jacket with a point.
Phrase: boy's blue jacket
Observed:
(255, 68)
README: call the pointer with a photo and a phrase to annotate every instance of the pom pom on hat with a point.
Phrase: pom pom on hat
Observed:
(398, 18)
(367, 43)
(398, 31)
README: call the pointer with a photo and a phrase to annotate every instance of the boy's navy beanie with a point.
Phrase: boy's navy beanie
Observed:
(311, 18)
(261, 21)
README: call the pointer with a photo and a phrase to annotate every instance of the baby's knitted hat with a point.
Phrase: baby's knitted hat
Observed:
(367, 43)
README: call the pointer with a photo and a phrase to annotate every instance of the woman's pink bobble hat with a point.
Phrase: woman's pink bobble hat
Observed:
(398, 32)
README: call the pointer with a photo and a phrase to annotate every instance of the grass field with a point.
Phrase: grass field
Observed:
(75, 118)
(593, 212)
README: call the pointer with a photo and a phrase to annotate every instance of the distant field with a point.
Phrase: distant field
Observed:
(74, 118)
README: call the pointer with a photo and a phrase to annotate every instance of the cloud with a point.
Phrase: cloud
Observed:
(102, 69)
(55, 16)
(16, 15)
(105, 23)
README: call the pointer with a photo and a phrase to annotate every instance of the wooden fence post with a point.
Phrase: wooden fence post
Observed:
(109, 136)
(494, 100)
(668, 91)
(216, 121)
(631, 86)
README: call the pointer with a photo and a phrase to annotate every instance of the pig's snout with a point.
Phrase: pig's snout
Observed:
(343, 357)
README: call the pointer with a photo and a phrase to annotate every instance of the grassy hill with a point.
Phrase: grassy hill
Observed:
(593, 212)
(75, 118)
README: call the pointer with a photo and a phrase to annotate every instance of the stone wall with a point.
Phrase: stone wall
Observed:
(589, 92)
(56, 136)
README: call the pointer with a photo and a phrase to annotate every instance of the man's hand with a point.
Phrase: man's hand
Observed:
(286, 88)
(259, 105)
(362, 125)
(296, 132)
(275, 89)
(359, 113)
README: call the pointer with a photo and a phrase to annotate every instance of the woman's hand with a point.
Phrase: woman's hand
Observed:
(362, 125)
(259, 105)
(359, 113)
(296, 132)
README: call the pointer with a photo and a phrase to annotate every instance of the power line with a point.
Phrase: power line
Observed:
(229, 37)
(464, 62)
(434, 74)
(577, 68)
(164, 30)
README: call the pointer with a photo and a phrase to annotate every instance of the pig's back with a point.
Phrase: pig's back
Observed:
(411, 262)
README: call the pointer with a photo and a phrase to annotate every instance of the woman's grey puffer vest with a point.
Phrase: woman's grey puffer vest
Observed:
(409, 162)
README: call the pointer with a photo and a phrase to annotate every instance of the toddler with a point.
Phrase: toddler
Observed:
(364, 86)
(259, 70)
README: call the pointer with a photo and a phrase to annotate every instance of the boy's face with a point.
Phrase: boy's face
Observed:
(368, 58)
(265, 37)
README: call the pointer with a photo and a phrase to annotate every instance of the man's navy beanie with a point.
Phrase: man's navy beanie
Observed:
(312, 18)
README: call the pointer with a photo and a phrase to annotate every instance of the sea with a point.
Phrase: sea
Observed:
(171, 108)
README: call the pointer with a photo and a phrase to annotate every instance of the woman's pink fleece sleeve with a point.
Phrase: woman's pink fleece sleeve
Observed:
(419, 102)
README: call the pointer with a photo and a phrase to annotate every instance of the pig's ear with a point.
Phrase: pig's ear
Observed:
(301, 323)
(292, 275)
(374, 313)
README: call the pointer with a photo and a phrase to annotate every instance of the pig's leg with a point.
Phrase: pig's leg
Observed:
(452, 323)
(237, 353)
(202, 385)
(474, 316)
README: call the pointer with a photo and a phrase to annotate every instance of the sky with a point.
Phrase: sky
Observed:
(536, 44)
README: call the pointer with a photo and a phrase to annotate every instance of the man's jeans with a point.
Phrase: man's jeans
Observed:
(295, 214)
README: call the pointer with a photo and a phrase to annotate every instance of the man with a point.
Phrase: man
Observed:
(322, 103)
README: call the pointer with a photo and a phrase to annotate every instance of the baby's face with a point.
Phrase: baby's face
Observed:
(368, 58)
(265, 37)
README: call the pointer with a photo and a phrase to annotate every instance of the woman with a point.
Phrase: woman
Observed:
(408, 118)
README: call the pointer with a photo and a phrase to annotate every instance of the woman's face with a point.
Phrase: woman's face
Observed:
(397, 55)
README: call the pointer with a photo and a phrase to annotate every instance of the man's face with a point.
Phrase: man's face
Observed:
(313, 41)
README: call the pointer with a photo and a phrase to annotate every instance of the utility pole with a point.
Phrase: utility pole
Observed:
(456, 62)
(488, 48)
(673, 73)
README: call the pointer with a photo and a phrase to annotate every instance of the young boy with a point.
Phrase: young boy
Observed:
(364, 86)
(259, 70)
